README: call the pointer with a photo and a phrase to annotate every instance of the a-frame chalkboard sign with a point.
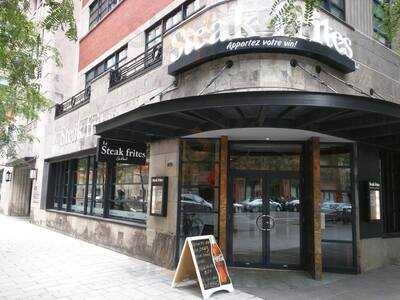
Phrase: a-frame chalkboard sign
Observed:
(202, 257)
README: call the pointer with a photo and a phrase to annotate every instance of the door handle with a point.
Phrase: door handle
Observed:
(265, 225)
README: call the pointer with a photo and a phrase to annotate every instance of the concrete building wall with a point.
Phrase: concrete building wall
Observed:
(379, 252)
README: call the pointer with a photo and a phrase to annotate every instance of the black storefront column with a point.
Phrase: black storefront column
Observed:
(311, 208)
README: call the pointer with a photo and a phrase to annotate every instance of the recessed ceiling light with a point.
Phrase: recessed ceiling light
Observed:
(268, 138)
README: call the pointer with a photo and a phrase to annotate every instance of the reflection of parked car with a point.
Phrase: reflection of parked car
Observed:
(293, 205)
(256, 205)
(337, 211)
(345, 213)
(330, 211)
(192, 202)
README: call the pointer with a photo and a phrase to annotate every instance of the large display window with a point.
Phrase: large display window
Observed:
(111, 190)
(199, 189)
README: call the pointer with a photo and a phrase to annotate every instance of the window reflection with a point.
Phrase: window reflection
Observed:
(130, 192)
(199, 196)
(336, 206)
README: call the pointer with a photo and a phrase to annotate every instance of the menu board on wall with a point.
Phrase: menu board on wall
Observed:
(374, 189)
(201, 257)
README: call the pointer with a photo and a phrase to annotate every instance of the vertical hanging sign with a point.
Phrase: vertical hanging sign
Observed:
(202, 257)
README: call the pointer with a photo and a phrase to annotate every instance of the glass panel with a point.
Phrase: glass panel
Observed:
(110, 62)
(200, 150)
(338, 3)
(122, 54)
(130, 192)
(264, 156)
(335, 179)
(173, 20)
(194, 224)
(192, 7)
(247, 238)
(200, 174)
(204, 199)
(337, 255)
(337, 216)
(284, 204)
(97, 204)
(337, 156)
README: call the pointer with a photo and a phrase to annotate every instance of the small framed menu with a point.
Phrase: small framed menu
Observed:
(159, 196)
(374, 190)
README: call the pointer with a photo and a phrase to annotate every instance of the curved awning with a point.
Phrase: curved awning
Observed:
(363, 119)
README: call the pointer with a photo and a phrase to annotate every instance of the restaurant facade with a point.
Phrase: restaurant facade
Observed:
(205, 120)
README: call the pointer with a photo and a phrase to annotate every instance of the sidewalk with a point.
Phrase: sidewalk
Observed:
(37, 263)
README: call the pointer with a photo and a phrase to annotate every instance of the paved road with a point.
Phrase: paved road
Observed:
(37, 263)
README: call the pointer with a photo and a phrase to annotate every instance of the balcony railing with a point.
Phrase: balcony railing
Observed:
(73, 103)
(137, 66)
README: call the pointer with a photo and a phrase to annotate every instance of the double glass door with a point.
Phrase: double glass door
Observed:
(265, 219)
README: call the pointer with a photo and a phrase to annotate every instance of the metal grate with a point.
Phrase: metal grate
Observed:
(74, 102)
(137, 66)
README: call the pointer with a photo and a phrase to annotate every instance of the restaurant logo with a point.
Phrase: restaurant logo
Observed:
(186, 41)
(121, 151)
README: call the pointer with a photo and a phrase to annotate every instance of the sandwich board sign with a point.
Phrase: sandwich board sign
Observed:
(201, 257)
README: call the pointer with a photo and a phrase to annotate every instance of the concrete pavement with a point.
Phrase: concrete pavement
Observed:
(37, 263)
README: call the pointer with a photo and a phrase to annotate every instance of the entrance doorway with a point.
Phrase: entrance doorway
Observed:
(265, 207)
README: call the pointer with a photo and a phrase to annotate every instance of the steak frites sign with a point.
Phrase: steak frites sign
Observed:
(121, 151)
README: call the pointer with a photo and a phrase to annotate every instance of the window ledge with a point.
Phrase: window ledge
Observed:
(110, 220)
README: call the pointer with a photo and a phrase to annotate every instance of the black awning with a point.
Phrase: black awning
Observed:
(367, 120)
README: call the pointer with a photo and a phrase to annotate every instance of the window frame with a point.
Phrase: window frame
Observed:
(100, 14)
(327, 5)
(117, 63)
(378, 34)
(65, 182)
(184, 16)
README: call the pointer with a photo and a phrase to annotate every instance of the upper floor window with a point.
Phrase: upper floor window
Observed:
(335, 7)
(378, 17)
(99, 9)
(155, 33)
(113, 61)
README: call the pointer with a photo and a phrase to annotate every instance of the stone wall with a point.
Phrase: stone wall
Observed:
(378, 252)
(128, 239)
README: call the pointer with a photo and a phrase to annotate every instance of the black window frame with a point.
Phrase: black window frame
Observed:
(182, 9)
(63, 182)
(98, 12)
(117, 63)
(329, 5)
(379, 34)
(390, 193)
(341, 242)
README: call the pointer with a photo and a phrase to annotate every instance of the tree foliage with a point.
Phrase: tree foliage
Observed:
(22, 52)
(390, 19)
(291, 14)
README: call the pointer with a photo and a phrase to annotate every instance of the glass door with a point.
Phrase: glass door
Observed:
(265, 219)
(248, 204)
(284, 238)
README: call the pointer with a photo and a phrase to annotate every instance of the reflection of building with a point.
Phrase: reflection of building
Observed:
(252, 144)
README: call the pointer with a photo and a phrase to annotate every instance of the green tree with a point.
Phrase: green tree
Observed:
(22, 52)
(290, 14)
